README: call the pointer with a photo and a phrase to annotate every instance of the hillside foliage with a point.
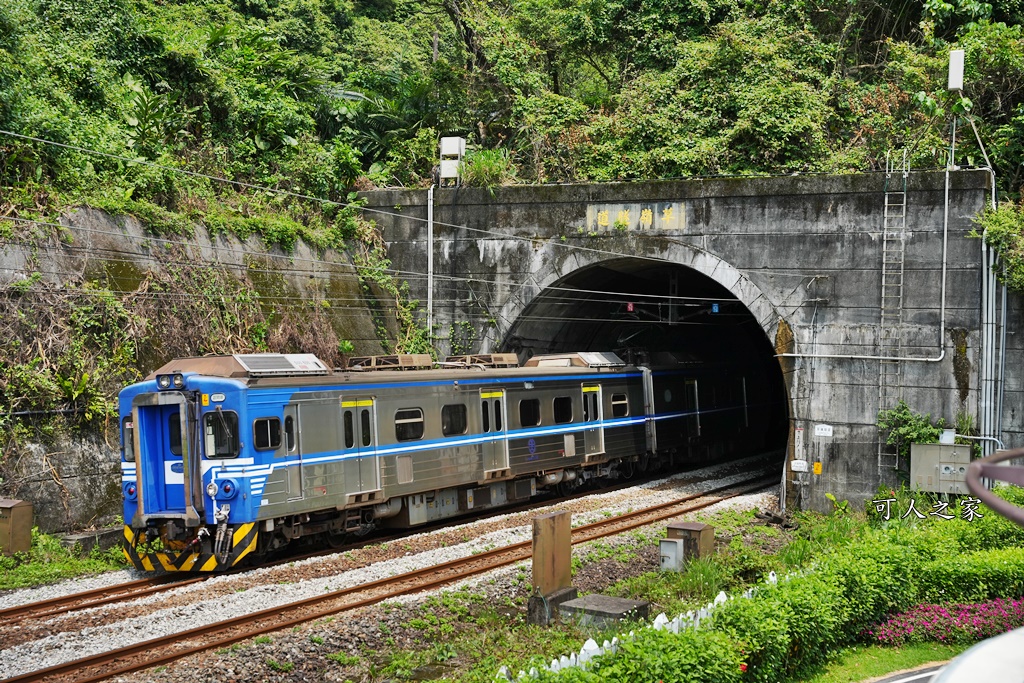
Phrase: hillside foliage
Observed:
(318, 96)
(184, 112)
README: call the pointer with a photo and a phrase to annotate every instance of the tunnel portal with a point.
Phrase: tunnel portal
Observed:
(644, 310)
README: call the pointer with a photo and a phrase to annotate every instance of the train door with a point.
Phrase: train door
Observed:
(493, 426)
(692, 409)
(359, 420)
(167, 468)
(293, 451)
(593, 434)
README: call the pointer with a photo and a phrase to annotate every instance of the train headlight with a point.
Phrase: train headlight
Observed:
(130, 490)
(225, 490)
(177, 380)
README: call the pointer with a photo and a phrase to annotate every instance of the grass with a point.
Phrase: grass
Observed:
(47, 561)
(862, 662)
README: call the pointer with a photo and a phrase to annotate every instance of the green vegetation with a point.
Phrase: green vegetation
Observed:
(258, 118)
(283, 667)
(905, 427)
(849, 573)
(314, 97)
(789, 630)
(48, 561)
(1003, 230)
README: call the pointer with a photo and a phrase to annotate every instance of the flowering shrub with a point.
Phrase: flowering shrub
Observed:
(951, 623)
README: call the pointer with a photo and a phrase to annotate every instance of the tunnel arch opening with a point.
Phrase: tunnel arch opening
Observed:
(646, 311)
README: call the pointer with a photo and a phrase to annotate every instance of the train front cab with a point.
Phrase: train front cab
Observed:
(172, 521)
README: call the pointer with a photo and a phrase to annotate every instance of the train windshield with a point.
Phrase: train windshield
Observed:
(221, 430)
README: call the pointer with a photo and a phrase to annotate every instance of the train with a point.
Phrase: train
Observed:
(227, 459)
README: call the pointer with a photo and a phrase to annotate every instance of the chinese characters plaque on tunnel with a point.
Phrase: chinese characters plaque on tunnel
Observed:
(668, 216)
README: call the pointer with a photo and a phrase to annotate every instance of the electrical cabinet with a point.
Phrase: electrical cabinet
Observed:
(939, 467)
(15, 526)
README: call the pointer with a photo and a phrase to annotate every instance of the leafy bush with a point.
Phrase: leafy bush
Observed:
(972, 577)
(687, 657)
(1003, 230)
(487, 168)
(905, 427)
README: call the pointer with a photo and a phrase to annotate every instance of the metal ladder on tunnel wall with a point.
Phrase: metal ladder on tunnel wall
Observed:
(890, 333)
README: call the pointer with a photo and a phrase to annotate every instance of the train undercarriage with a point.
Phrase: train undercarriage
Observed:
(171, 546)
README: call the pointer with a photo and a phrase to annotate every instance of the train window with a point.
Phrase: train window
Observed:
(453, 419)
(563, 409)
(350, 438)
(497, 414)
(221, 430)
(266, 433)
(365, 431)
(620, 405)
(128, 440)
(529, 412)
(289, 432)
(485, 415)
(174, 432)
(409, 424)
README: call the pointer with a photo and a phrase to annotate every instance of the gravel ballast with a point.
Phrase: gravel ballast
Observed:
(223, 597)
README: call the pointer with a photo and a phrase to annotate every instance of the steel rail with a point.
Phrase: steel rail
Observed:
(154, 585)
(90, 598)
(144, 655)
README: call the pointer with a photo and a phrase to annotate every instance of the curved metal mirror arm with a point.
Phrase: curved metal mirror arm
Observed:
(989, 468)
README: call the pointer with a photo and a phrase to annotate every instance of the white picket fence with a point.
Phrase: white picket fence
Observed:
(591, 650)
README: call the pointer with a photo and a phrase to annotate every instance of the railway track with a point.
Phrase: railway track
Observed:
(160, 584)
(221, 634)
(93, 598)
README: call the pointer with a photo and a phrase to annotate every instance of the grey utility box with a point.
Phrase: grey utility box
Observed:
(673, 554)
(939, 467)
(15, 526)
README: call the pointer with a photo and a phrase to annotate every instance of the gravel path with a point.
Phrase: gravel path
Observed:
(303, 654)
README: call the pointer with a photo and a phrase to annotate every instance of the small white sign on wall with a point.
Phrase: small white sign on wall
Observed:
(798, 465)
(823, 430)
(798, 443)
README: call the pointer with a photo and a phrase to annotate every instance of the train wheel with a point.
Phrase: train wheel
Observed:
(627, 469)
(336, 539)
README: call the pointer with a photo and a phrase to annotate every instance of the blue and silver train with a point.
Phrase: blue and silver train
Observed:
(228, 458)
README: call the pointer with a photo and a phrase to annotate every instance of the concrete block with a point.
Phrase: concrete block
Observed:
(104, 538)
(603, 610)
(541, 611)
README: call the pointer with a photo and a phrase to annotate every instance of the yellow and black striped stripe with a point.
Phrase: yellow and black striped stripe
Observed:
(243, 543)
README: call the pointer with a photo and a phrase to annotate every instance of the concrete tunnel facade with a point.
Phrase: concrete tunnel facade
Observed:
(794, 265)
